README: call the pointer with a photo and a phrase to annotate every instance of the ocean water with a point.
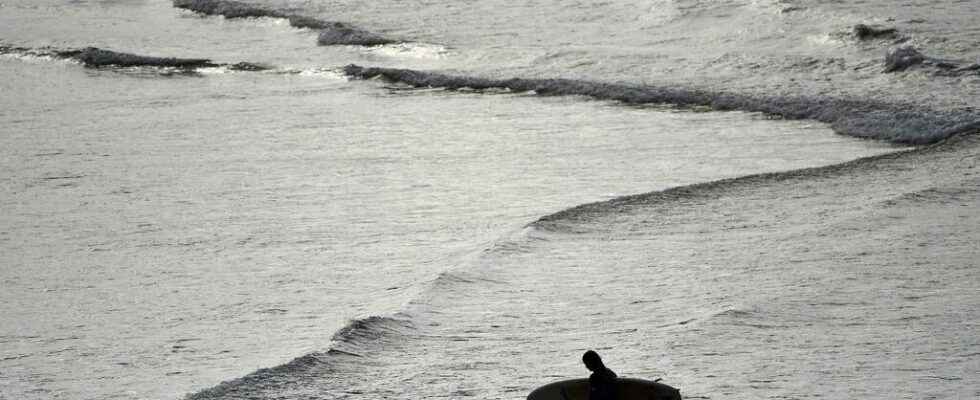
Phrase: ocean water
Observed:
(731, 196)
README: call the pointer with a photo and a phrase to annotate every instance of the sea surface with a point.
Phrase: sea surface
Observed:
(733, 196)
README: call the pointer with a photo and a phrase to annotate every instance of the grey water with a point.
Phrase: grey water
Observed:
(299, 233)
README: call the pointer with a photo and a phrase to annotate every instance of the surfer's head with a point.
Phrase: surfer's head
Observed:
(592, 360)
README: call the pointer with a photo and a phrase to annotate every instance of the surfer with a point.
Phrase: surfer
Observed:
(602, 382)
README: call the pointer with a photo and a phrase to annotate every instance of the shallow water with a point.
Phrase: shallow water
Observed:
(160, 240)
(167, 231)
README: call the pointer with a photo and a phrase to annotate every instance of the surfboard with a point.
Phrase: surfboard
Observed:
(629, 389)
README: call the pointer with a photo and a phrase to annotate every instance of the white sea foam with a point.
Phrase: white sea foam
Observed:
(327, 73)
(220, 70)
(826, 39)
(411, 50)
(30, 58)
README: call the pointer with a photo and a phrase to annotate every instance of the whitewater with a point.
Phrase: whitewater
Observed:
(283, 199)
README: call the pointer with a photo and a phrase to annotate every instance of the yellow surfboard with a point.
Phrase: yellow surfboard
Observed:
(628, 389)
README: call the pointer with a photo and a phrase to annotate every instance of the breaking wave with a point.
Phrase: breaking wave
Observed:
(966, 191)
(28, 53)
(331, 32)
(94, 57)
(870, 119)
(353, 347)
(904, 58)
(583, 217)
(354, 341)
(897, 123)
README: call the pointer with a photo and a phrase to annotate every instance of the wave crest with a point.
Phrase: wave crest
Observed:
(898, 123)
(355, 341)
(331, 32)
(94, 57)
